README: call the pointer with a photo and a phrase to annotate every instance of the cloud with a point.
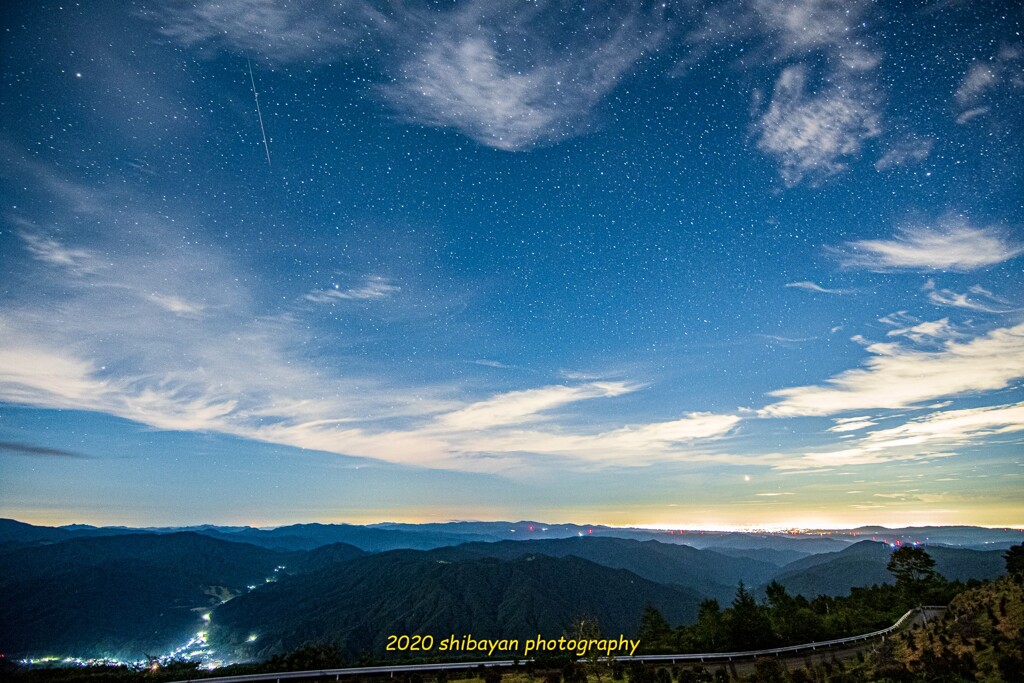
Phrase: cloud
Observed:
(55, 253)
(927, 332)
(984, 82)
(176, 304)
(904, 153)
(373, 287)
(952, 245)
(301, 30)
(934, 435)
(813, 134)
(508, 75)
(900, 377)
(519, 75)
(118, 340)
(851, 424)
(525, 406)
(793, 29)
(977, 298)
(37, 451)
(979, 78)
(812, 287)
(633, 445)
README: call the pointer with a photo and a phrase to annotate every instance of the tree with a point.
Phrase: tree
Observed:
(913, 568)
(655, 633)
(748, 624)
(1014, 557)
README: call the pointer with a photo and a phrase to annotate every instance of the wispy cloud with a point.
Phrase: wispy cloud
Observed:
(518, 407)
(934, 435)
(851, 424)
(813, 287)
(911, 150)
(976, 298)
(37, 451)
(952, 245)
(978, 90)
(510, 76)
(53, 252)
(927, 331)
(518, 75)
(897, 376)
(305, 30)
(813, 129)
(246, 372)
(814, 134)
(373, 287)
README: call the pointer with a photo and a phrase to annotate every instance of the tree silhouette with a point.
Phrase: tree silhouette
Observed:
(1014, 557)
(914, 570)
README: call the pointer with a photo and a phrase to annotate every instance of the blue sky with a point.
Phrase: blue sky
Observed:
(738, 264)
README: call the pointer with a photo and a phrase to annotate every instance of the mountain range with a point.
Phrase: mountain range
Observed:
(114, 591)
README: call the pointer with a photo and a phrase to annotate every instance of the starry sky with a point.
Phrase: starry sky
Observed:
(751, 263)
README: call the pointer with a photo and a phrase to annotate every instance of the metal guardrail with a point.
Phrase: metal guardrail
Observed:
(456, 666)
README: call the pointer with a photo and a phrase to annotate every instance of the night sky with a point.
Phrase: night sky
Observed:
(752, 263)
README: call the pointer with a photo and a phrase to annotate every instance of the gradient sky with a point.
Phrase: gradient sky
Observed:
(747, 263)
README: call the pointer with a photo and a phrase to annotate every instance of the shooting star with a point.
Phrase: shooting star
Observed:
(266, 147)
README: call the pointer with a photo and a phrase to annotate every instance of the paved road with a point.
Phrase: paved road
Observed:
(840, 648)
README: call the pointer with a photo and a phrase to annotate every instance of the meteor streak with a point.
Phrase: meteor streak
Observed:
(266, 147)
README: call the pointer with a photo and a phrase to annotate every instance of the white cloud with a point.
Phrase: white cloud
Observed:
(118, 340)
(516, 76)
(984, 82)
(301, 30)
(55, 253)
(176, 304)
(979, 78)
(373, 287)
(927, 332)
(813, 135)
(843, 425)
(904, 153)
(900, 377)
(813, 287)
(517, 407)
(952, 245)
(508, 75)
(934, 435)
(791, 29)
(977, 298)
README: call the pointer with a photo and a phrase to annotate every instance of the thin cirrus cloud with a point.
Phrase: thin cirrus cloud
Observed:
(976, 298)
(373, 288)
(898, 376)
(808, 286)
(980, 87)
(510, 76)
(242, 372)
(812, 135)
(305, 30)
(812, 129)
(951, 245)
(906, 152)
(934, 435)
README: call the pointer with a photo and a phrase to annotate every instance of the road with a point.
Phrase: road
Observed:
(840, 648)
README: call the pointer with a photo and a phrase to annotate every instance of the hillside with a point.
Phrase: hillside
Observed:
(864, 564)
(982, 633)
(358, 604)
(707, 572)
(120, 595)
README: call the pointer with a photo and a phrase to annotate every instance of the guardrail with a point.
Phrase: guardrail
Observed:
(705, 657)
